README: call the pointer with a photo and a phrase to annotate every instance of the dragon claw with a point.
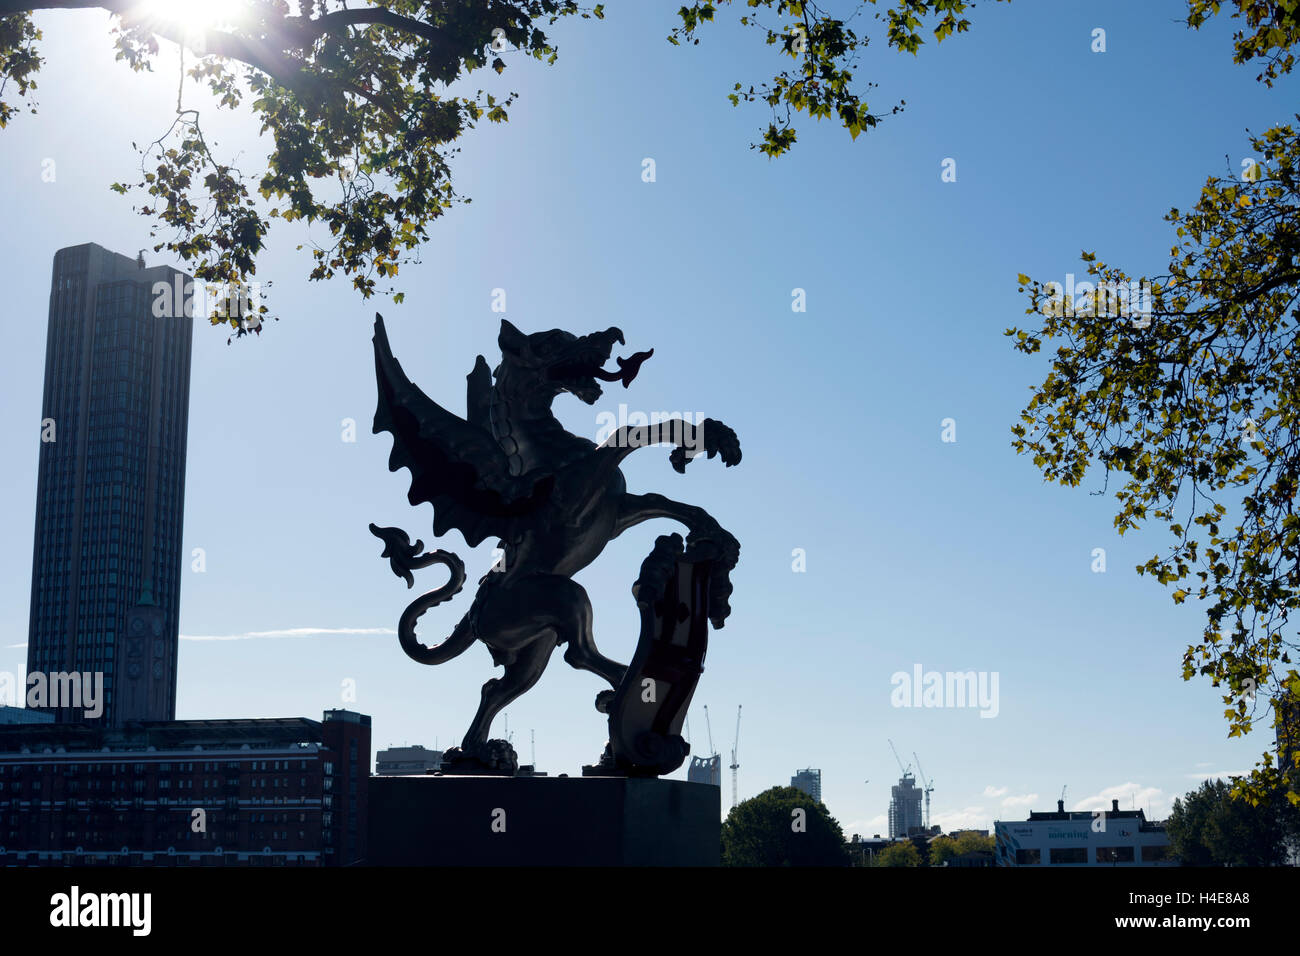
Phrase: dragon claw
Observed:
(718, 546)
(719, 439)
(716, 440)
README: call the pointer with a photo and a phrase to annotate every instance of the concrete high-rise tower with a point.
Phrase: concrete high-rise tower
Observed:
(809, 781)
(905, 806)
(110, 495)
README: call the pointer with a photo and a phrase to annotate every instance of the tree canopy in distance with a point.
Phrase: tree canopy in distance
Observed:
(1208, 827)
(782, 826)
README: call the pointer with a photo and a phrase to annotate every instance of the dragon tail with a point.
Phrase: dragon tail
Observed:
(463, 634)
(404, 558)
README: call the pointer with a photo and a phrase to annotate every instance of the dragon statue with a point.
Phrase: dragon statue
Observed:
(510, 470)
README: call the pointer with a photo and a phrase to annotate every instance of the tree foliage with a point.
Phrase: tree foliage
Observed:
(1212, 827)
(1275, 25)
(359, 108)
(942, 849)
(825, 49)
(903, 853)
(1184, 390)
(358, 104)
(765, 831)
(355, 102)
(968, 841)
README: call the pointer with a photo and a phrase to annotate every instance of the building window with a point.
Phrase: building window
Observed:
(1068, 854)
(1114, 854)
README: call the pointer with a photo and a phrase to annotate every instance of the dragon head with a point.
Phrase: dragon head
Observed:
(557, 361)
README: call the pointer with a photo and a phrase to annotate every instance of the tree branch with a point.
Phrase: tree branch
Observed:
(311, 30)
(265, 54)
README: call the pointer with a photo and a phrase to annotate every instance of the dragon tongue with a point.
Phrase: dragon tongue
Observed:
(627, 369)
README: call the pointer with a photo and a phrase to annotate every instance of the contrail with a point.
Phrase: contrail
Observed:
(287, 632)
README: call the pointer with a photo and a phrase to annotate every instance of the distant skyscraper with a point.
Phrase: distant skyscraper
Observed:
(810, 782)
(905, 807)
(111, 484)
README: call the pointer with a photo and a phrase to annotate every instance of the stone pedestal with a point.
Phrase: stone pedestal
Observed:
(542, 821)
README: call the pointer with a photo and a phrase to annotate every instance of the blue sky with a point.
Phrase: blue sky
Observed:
(951, 555)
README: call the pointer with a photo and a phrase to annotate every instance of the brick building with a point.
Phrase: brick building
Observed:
(259, 792)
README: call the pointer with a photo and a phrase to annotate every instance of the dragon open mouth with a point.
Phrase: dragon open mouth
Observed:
(579, 374)
(627, 369)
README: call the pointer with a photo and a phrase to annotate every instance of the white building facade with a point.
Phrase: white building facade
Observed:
(1111, 837)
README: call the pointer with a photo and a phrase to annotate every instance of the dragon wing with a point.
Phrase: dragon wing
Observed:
(455, 464)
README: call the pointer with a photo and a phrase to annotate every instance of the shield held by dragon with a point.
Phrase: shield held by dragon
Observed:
(553, 500)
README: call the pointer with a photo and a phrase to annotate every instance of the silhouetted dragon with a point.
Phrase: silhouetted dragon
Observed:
(510, 470)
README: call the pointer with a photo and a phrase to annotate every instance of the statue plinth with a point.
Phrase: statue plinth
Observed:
(437, 820)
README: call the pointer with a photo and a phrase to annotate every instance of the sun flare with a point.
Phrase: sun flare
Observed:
(195, 14)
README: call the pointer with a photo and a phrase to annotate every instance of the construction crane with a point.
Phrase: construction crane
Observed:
(929, 788)
(735, 764)
(906, 770)
(709, 726)
(1063, 796)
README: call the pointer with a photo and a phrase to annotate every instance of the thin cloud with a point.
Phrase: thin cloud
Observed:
(876, 824)
(1128, 795)
(1024, 800)
(1217, 774)
(992, 791)
(287, 632)
(967, 818)
(14, 647)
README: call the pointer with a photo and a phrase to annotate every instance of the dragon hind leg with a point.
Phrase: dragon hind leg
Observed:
(510, 622)
(583, 655)
(521, 673)
(576, 632)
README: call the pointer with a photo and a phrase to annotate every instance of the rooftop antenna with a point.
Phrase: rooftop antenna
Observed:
(532, 747)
